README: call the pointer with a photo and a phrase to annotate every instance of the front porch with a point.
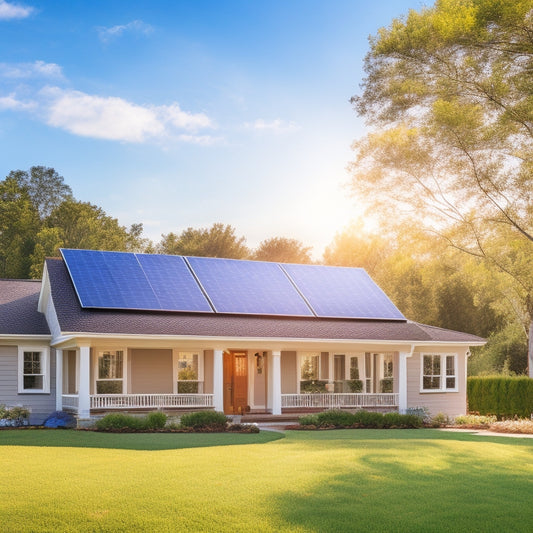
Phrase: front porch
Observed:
(94, 380)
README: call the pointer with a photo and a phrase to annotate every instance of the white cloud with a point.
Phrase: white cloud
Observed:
(11, 102)
(117, 119)
(275, 126)
(10, 11)
(37, 69)
(106, 35)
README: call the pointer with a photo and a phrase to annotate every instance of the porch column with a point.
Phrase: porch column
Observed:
(84, 400)
(218, 381)
(402, 381)
(275, 383)
(59, 380)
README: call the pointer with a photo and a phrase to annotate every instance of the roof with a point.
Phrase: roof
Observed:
(73, 318)
(18, 308)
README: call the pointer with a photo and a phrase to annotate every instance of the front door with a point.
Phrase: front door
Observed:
(235, 382)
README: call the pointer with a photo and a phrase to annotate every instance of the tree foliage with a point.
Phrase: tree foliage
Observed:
(449, 92)
(219, 240)
(283, 250)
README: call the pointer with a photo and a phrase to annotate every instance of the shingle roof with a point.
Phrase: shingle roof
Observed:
(18, 308)
(75, 319)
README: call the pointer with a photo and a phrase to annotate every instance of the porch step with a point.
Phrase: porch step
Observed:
(258, 418)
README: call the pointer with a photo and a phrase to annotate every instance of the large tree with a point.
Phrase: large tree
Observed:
(219, 240)
(449, 92)
(282, 249)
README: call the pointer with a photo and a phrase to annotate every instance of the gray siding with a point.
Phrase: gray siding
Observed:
(40, 405)
(450, 403)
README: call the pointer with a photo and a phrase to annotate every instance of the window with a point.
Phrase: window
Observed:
(34, 370)
(110, 376)
(387, 373)
(188, 373)
(439, 372)
(310, 374)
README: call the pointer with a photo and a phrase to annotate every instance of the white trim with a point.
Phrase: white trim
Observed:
(45, 367)
(96, 355)
(443, 376)
(300, 356)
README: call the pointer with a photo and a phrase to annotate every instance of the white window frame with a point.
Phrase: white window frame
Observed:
(301, 357)
(443, 375)
(100, 351)
(45, 369)
(175, 358)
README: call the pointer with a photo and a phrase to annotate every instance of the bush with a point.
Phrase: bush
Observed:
(212, 420)
(156, 420)
(120, 421)
(308, 420)
(502, 396)
(361, 419)
(335, 417)
(439, 420)
(474, 420)
(356, 385)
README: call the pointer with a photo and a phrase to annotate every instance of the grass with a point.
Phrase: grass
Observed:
(346, 480)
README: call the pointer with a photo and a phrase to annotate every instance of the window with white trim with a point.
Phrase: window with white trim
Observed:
(310, 373)
(33, 370)
(439, 372)
(188, 378)
(110, 372)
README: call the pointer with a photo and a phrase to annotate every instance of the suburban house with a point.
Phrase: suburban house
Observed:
(108, 331)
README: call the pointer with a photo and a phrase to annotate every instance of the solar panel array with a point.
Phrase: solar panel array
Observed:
(119, 280)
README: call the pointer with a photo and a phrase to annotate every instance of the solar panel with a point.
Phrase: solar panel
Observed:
(341, 292)
(248, 287)
(173, 283)
(111, 280)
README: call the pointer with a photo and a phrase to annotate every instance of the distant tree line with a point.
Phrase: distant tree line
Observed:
(429, 281)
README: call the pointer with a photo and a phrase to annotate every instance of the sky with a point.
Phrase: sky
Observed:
(181, 114)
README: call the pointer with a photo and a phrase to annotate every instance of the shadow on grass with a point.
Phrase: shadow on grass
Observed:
(414, 480)
(68, 438)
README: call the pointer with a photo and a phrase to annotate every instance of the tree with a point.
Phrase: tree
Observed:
(217, 241)
(283, 250)
(19, 222)
(75, 224)
(46, 188)
(449, 92)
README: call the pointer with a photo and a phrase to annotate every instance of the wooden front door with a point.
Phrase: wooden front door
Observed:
(235, 382)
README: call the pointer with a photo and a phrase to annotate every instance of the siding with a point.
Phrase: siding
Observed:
(289, 373)
(40, 405)
(208, 371)
(151, 371)
(450, 403)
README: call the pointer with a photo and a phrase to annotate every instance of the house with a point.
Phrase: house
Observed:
(110, 331)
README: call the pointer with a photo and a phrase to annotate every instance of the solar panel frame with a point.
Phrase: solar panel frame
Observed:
(341, 292)
(248, 287)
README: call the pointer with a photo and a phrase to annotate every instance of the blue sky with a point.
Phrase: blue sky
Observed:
(185, 113)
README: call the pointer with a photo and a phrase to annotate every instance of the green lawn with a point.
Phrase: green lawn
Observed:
(346, 480)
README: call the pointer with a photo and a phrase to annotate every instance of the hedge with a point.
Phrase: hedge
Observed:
(501, 396)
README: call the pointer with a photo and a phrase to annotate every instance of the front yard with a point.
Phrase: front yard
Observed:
(345, 480)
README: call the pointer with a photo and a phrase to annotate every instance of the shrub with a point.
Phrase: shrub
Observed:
(120, 421)
(335, 417)
(420, 412)
(212, 420)
(474, 420)
(502, 396)
(312, 386)
(308, 420)
(156, 420)
(439, 420)
(368, 419)
(356, 385)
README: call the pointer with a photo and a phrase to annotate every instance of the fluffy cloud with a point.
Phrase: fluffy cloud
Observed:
(117, 119)
(14, 11)
(37, 69)
(106, 35)
(11, 102)
(275, 126)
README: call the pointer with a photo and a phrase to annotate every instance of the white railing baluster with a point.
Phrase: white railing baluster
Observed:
(154, 401)
(337, 400)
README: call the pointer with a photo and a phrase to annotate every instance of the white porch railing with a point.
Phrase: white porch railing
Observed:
(337, 400)
(70, 402)
(132, 401)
